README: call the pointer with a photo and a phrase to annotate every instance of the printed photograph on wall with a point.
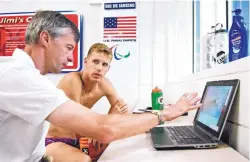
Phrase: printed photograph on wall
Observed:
(120, 32)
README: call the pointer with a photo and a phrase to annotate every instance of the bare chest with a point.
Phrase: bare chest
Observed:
(89, 99)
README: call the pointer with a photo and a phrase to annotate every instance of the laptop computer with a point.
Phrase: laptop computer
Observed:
(209, 121)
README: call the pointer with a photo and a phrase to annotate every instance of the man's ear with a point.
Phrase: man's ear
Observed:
(44, 38)
(85, 60)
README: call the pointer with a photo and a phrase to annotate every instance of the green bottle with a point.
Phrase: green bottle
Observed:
(157, 99)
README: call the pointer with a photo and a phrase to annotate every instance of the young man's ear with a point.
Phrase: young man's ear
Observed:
(85, 60)
(44, 38)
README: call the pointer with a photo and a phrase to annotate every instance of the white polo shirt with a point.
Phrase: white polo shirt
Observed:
(26, 99)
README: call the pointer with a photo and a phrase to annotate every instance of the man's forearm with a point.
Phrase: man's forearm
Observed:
(130, 124)
(104, 128)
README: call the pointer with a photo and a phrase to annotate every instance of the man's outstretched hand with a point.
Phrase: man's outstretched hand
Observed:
(189, 101)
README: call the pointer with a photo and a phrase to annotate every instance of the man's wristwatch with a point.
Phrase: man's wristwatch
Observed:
(159, 115)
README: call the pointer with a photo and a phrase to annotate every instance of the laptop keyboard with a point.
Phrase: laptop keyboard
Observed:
(183, 135)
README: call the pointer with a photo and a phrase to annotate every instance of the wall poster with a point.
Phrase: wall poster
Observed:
(12, 35)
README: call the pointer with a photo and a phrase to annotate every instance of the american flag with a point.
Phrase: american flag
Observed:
(119, 27)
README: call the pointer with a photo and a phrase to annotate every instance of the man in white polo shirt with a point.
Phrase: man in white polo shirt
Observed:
(29, 101)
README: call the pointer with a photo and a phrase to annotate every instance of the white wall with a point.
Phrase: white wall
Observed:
(150, 38)
(92, 21)
(163, 30)
(238, 119)
(152, 51)
(176, 86)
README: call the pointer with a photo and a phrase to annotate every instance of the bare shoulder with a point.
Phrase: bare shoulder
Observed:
(105, 83)
(71, 84)
(70, 79)
(107, 87)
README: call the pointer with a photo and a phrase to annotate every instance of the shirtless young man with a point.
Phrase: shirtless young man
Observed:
(87, 87)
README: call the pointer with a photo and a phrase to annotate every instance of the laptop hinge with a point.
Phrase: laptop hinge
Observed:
(207, 133)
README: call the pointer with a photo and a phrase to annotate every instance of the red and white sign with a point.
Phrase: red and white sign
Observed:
(12, 35)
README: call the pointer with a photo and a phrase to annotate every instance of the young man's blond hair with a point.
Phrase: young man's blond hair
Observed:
(100, 48)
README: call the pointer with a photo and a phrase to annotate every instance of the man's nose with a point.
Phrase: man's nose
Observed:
(70, 57)
(99, 67)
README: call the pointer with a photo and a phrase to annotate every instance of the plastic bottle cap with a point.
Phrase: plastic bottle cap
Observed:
(237, 11)
(156, 89)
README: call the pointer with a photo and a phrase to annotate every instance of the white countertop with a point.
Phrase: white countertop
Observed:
(140, 149)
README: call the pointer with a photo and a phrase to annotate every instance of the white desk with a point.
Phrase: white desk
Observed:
(139, 149)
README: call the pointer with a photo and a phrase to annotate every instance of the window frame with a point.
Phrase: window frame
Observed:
(231, 68)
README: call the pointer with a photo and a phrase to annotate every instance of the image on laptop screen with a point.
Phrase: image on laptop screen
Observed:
(215, 102)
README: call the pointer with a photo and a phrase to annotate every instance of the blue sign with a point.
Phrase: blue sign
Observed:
(122, 5)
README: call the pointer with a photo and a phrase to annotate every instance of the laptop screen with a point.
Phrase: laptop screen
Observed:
(214, 106)
(217, 100)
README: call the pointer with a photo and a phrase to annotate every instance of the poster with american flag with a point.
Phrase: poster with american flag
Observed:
(120, 31)
(120, 27)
